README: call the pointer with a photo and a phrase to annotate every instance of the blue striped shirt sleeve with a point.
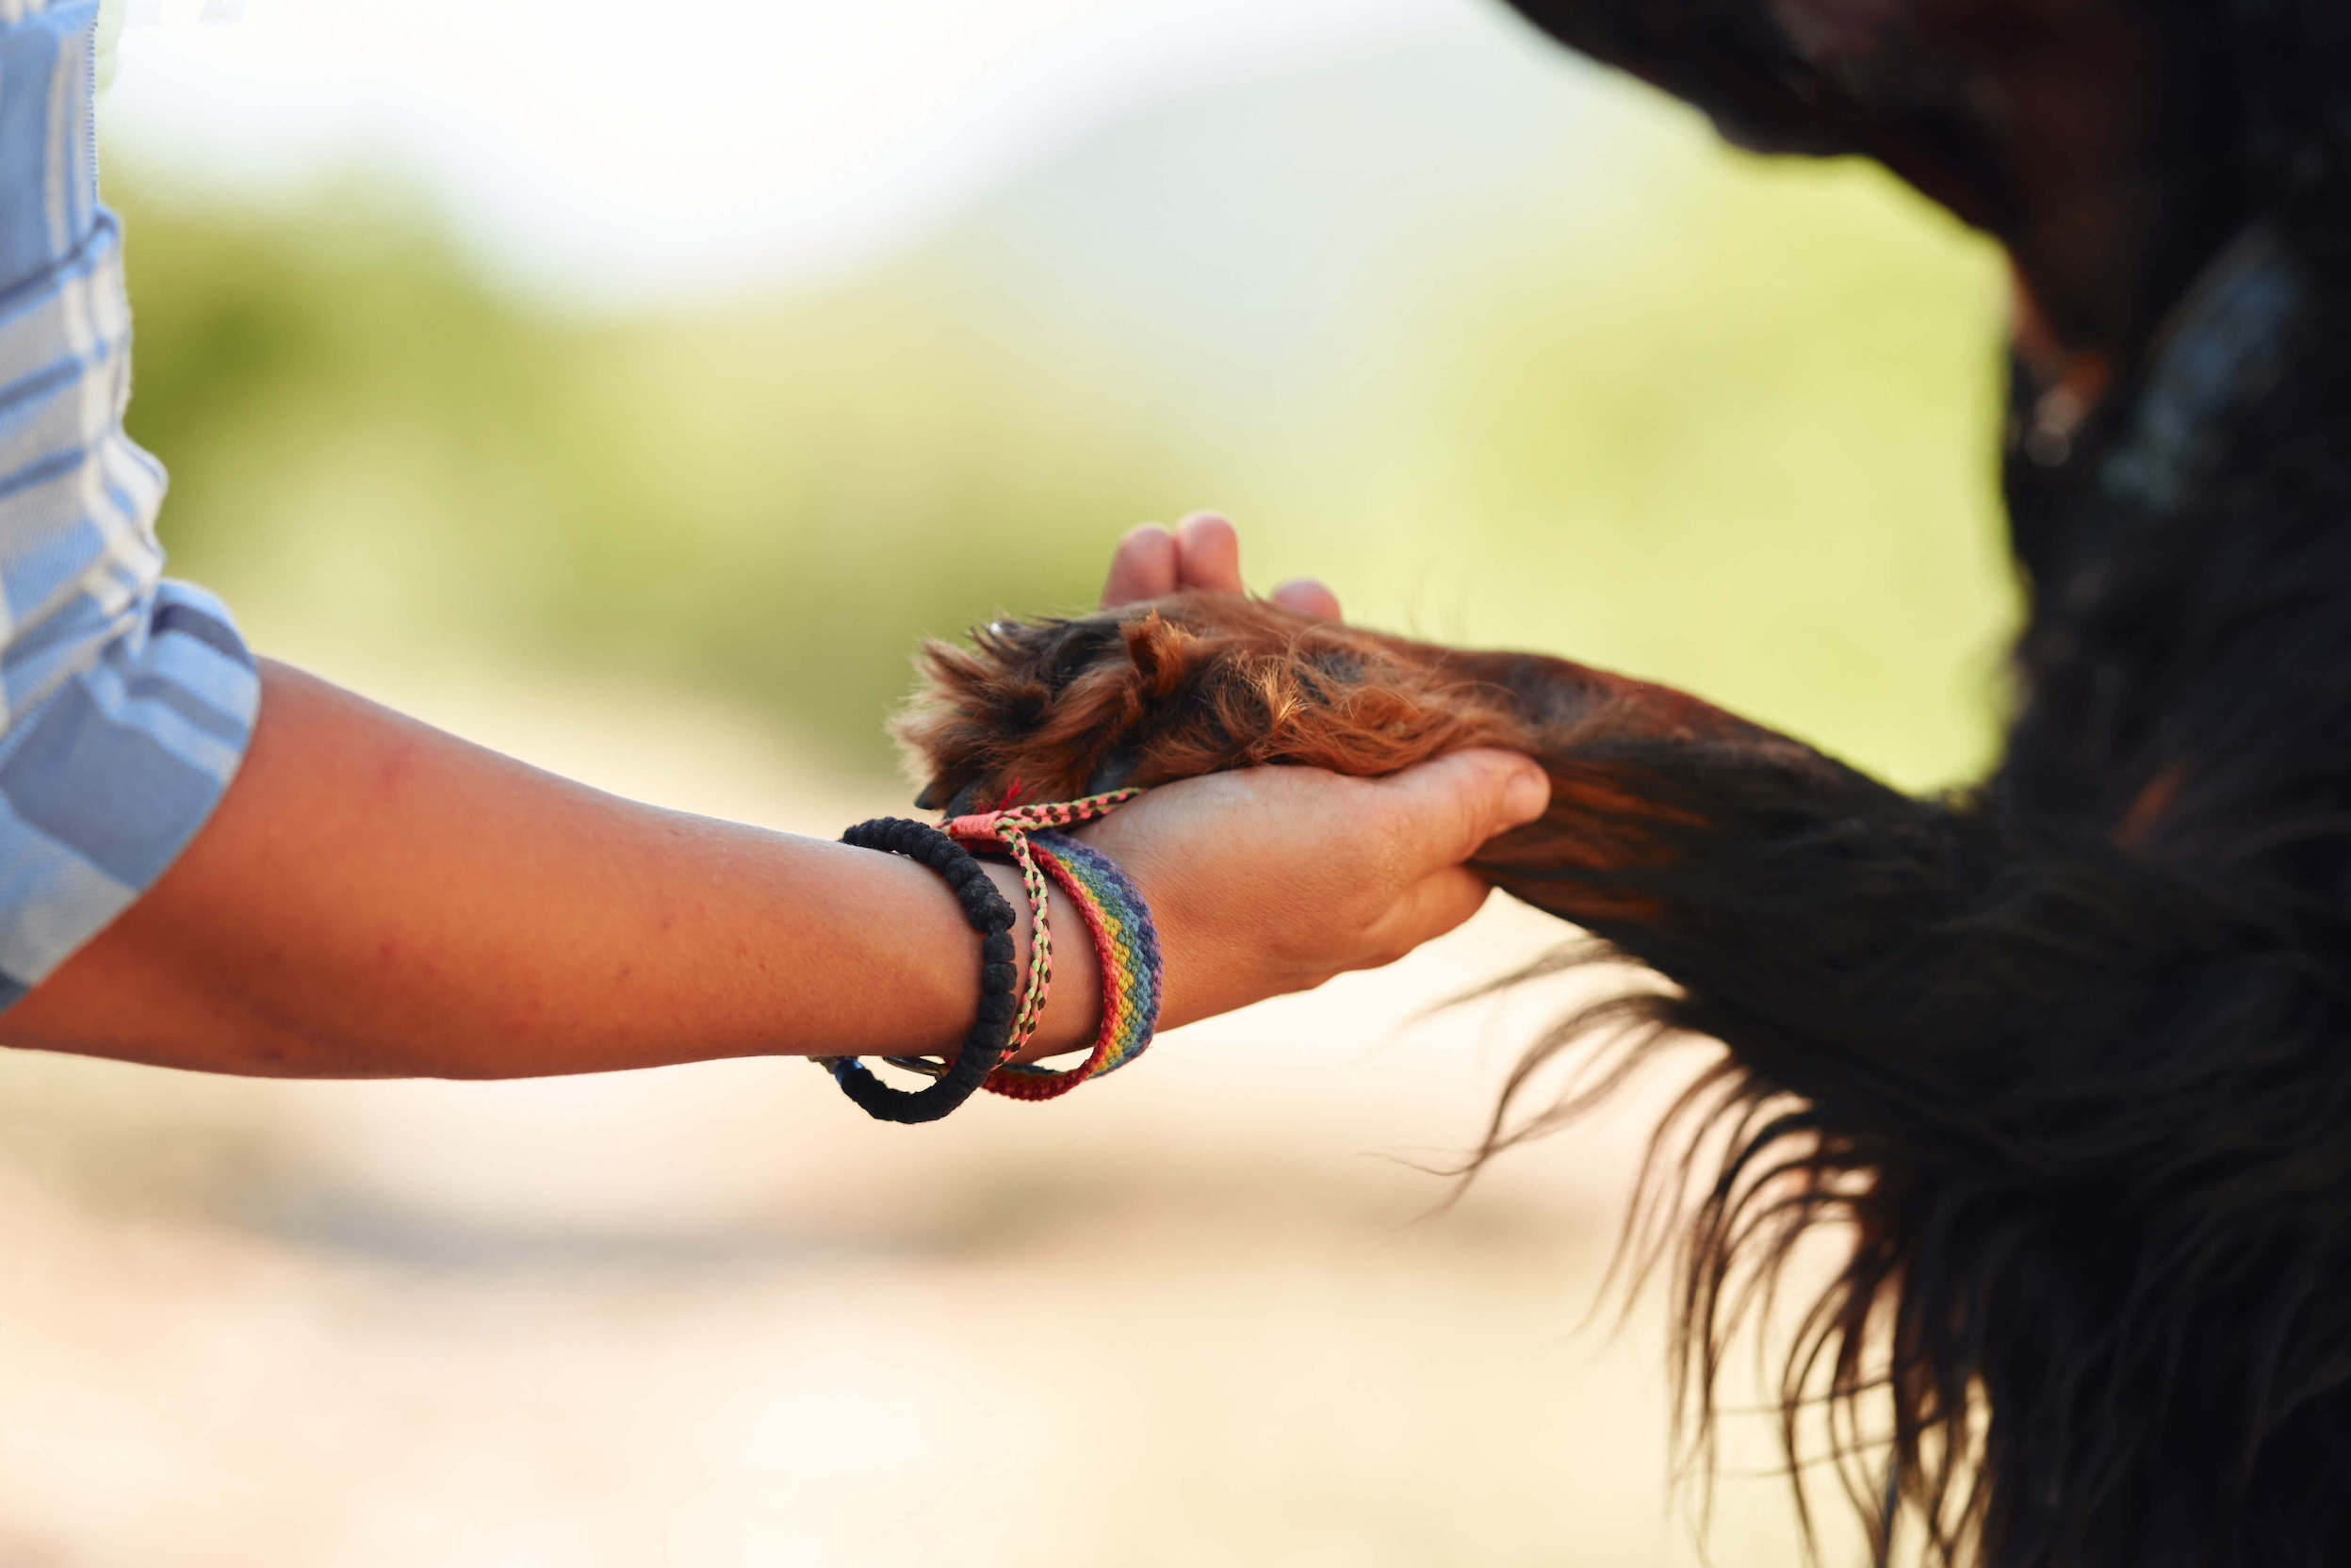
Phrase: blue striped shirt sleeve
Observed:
(126, 700)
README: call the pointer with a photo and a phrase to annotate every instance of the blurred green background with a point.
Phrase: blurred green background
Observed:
(1510, 351)
(1632, 397)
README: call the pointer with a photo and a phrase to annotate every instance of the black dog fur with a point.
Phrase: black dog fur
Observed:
(2072, 1054)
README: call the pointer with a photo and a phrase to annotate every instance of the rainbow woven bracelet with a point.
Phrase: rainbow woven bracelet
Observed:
(1125, 942)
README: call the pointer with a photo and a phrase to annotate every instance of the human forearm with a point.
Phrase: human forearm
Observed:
(375, 898)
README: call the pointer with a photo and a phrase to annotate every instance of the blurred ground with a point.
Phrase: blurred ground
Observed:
(1204, 1312)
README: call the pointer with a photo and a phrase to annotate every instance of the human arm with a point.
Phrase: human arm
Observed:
(375, 898)
(215, 865)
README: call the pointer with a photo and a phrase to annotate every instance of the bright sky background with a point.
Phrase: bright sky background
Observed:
(633, 150)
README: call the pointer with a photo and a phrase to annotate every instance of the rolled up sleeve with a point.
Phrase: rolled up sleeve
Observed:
(126, 700)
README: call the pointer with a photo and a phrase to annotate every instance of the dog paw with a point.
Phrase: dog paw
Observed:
(1196, 683)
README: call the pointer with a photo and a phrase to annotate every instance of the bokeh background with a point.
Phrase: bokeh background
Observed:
(631, 389)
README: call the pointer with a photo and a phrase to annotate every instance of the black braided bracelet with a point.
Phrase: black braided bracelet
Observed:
(989, 1041)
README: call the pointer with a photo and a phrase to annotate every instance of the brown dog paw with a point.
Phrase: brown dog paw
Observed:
(1057, 710)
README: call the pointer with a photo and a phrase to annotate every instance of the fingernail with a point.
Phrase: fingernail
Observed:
(1526, 795)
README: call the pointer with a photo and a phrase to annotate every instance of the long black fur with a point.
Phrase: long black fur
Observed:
(2069, 1055)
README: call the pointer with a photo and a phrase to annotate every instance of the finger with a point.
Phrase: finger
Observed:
(1434, 905)
(1143, 567)
(1450, 806)
(1308, 597)
(1208, 554)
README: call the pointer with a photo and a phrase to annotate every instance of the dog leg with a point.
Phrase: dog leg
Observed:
(2057, 1097)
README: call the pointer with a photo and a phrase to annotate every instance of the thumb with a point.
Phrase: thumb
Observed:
(1451, 805)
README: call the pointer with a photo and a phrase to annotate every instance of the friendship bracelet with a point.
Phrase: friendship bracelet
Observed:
(1040, 939)
(990, 1040)
(1126, 945)
(1125, 942)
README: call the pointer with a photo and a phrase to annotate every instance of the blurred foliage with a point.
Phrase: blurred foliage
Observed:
(1716, 422)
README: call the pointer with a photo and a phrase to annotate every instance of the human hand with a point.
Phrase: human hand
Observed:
(1203, 552)
(1272, 880)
